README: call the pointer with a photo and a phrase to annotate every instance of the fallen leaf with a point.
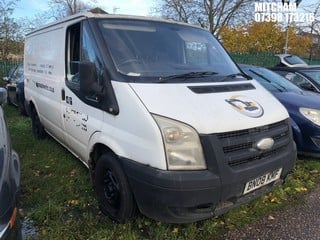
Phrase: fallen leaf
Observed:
(73, 202)
(175, 230)
(73, 172)
(36, 173)
(271, 218)
(273, 199)
(301, 189)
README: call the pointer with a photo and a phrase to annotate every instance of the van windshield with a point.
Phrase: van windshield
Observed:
(166, 51)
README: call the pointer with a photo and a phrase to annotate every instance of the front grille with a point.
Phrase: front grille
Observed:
(252, 130)
(239, 146)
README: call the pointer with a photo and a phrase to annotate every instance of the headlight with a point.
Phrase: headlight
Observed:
(312, 114)
(182, 145)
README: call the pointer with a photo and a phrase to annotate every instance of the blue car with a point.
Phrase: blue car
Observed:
(303, 108)
(15, 88)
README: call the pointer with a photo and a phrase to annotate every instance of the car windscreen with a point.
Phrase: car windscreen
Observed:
(159, 49)
(293, 60)
(314, 74)
(270, 80)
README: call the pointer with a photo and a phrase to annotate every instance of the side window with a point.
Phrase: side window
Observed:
(89, 50)
(73, 53)
(80, 48)
(17, 73)
(296, 79)
(301, 81)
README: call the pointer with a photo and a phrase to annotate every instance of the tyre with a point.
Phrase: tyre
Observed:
(113, 191)
(9, 101)
(22, 110)
(37, 128)
(21, 107)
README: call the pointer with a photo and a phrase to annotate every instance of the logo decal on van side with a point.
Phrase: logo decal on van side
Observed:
(45, 87)
(246, 106)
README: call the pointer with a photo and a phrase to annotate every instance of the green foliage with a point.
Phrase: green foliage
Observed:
(264, 37)
(260, 59)
(57, 195)
(263, 59)
(9, 31)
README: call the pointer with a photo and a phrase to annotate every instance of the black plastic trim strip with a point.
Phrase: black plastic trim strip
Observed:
(221, 88)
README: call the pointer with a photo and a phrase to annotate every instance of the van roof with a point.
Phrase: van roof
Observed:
(106, 15)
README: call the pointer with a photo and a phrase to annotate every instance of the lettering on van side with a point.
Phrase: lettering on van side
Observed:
(45, 69)
(77, 118)
(45, 87)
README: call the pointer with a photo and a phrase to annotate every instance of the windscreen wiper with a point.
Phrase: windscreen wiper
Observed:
(186, 76)
(275, 85)
(231, 77)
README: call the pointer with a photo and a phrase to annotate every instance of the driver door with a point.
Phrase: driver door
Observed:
(80, 119)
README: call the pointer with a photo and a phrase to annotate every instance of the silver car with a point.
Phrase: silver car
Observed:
(9, 180)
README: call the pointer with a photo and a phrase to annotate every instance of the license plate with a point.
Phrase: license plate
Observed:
(262, 180)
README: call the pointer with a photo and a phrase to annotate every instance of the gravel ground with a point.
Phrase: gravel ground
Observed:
(294, 222)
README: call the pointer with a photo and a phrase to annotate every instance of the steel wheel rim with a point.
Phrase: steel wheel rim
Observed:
(111, 189)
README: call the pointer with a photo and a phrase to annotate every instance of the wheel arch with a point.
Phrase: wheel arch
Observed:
(30, 106)
(97, 150)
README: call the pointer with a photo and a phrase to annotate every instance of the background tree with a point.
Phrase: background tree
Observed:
(58, 10)
(9, 34)
(264, 37)
(28, 24)
(63, 8)
(234, 39)
(313, 29)
(212, 14)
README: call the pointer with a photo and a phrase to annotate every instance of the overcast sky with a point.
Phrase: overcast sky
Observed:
(29, 8)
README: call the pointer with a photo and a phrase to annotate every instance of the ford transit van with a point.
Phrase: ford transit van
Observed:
(159, 113)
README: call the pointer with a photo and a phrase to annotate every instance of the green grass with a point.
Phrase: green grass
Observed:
(57, 195)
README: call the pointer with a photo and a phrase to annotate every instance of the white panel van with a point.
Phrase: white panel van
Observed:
(159, 113)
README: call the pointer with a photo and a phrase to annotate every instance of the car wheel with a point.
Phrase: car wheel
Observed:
(37, 128)
(21, 107)
(113, 190)
(9, 101)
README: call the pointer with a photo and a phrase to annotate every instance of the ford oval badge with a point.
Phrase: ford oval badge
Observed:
(246, 106)
(265, 144)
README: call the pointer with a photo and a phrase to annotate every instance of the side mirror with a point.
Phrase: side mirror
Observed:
(3, 96)
(88, 78)
(6, 79)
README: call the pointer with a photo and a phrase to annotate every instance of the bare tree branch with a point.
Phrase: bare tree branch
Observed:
(212, 14)
(63, 8)
(9, 34)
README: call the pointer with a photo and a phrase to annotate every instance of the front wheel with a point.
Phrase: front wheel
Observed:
(37, 128)
(112, 189)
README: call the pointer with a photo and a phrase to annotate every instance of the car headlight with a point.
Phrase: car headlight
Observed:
(182, 145)
(312, 114)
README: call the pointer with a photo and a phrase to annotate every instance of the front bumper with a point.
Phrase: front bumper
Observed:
(188, 196)
(307, 137)
(182, 197)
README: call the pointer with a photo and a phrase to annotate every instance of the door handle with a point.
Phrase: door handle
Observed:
(63, 95)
